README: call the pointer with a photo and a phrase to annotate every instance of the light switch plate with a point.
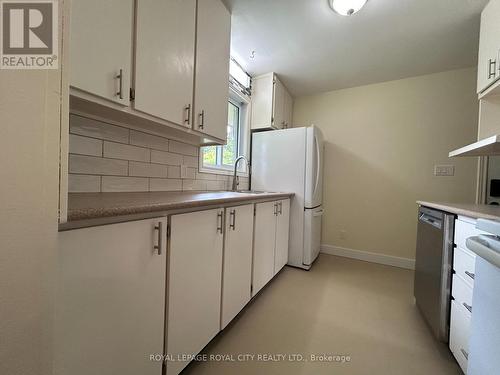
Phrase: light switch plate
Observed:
(444, 170)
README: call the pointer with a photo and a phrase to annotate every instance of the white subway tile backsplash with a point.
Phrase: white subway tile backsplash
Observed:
(216, 185)
(147, 170)
(205, 176)
(126, 152)
(85, 145)
(190, 161)
(109, 158)
(174, 172)
(190, 173)
(97, 129)
(124, 184)
(194, 185)
(97, 166)
(183, 148)
(165, 184)
(163, 157)
(148, 140)
(79, 183)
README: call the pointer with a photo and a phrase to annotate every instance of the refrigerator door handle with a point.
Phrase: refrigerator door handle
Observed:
(318, 165)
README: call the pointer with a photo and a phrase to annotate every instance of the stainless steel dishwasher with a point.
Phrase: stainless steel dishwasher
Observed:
(433, 269)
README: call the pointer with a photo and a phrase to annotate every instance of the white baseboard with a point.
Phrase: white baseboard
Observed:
(366, 256)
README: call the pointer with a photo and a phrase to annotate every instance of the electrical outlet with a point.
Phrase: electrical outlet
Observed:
(444, 170)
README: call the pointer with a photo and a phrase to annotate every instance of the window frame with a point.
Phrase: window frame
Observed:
(243, 147)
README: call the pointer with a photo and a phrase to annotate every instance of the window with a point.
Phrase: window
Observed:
(220, 159)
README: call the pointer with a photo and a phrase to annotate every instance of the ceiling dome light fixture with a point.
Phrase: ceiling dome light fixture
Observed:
(347, 7)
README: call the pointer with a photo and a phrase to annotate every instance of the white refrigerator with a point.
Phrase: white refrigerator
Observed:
(291, 160)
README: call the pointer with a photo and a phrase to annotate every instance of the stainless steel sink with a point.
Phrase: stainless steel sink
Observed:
(252, 192)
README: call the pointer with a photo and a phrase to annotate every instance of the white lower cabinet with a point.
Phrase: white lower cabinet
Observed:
(194, 284)
(125, 293)
(464, 264)
(459, 334)
(237, 268)
(110, 299)
(272, 222)
(282, 234)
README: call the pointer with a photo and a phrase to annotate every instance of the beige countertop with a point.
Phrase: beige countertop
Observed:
(86, 209)
(475, 211)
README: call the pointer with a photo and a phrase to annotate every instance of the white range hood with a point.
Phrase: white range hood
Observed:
(486, 147)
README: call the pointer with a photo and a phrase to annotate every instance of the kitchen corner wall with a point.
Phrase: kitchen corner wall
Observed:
(109, 158)
(382, 142)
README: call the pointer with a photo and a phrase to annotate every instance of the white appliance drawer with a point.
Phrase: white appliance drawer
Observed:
(462, 293)
(465, 228)
(464, 264)
(459, 334)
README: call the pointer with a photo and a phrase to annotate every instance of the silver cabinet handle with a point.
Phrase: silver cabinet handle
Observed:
(187, 114)
(468, 307)
(219, 222)
(465, 354)
(159, 228)
(120, 83)
(232, 222)
(201, 116)
(491, 74)
(280, 205)
(471, 275)
(276, 209)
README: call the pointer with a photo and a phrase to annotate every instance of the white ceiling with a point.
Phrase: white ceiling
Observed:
(314, 50)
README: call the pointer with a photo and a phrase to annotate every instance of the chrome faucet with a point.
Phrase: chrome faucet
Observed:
(235, 177)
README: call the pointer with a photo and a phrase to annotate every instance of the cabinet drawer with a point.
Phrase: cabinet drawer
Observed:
(462, 293)
(464, 230)
(459, 334)
(464, 265)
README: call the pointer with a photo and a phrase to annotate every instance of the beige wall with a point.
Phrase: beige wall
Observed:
(382, 142)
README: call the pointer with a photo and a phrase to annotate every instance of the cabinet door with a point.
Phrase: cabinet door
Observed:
(237, 272)
(101, 47)
(111, 299)
(262, 101)
(194, 283)
(489, 46)
(164, 57)
(264, 243)
(278, 104)
(282, 232)
(212, 68)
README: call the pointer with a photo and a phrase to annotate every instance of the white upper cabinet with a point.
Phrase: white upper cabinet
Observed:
(212, 68)
(237, 270)
(489, 46)
(164, 58)
(110, 304)
(271, 103)
(194, 283)
(101, 48)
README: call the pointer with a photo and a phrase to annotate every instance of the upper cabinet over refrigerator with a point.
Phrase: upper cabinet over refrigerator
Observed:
(272, 104)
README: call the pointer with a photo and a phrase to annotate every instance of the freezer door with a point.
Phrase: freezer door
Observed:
(312, 234)
(314, 168)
